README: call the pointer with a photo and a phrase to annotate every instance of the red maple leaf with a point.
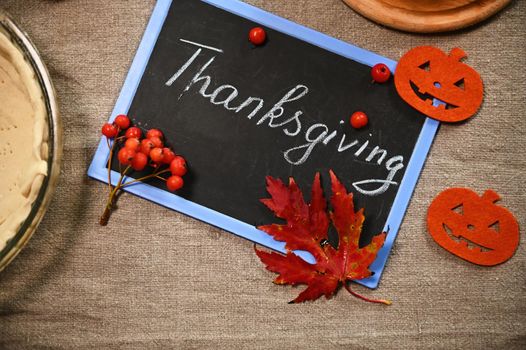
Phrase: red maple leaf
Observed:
(307, 228)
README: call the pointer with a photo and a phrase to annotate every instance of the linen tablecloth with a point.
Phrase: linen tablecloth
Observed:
(158, 279)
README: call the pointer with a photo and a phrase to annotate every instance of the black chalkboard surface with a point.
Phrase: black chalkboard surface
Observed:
(239, 113)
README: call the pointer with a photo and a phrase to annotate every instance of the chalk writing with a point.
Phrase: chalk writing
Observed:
(290, 122)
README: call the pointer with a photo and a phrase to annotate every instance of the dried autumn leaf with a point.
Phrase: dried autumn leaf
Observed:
(307, 228)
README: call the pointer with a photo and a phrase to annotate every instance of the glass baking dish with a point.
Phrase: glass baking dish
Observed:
(54, 140)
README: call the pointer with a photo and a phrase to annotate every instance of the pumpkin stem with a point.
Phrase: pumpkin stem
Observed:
(457, 54)
(491, 196)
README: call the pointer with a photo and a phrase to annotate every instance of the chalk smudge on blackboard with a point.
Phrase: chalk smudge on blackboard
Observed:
(316, 134)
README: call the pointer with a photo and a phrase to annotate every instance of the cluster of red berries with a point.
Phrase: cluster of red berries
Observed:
(138, 152)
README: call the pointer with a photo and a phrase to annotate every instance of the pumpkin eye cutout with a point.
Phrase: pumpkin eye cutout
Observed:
(425, 66)
(460, 84)
(459, 209)
(495, 226)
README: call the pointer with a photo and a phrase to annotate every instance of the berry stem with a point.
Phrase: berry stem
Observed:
(106, 214)
(111, 147)
(347, 286)
(112, 198)
(147, 177)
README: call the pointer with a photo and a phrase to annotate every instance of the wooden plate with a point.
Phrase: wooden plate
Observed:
(427, 16)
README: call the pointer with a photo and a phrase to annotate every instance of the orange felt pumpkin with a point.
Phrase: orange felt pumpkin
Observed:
(472, 227)
(426, 73)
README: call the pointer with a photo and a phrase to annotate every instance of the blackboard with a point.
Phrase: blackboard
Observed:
(239, 113)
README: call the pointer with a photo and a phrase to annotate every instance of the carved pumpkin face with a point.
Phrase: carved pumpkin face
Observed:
(472, 227)
(426, 73)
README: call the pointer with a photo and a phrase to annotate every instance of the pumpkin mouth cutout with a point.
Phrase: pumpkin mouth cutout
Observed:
(430, 99)
(463, 241)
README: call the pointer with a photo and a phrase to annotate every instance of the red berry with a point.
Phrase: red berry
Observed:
(257, 36)
(109, 130)
(147, 146)
(133, 144)
(154, 133)
(157, 141)
(126, 155)
(178, 166)
(139, 162)
(133, 132)
(122, 121)
(359, 120)
(157, 155)
(380, 73)
(169, 155)
(174, 183)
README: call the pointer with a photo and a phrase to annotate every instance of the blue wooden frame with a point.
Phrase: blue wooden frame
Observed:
(98, 168)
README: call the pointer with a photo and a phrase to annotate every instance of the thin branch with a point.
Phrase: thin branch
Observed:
(147, 177)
